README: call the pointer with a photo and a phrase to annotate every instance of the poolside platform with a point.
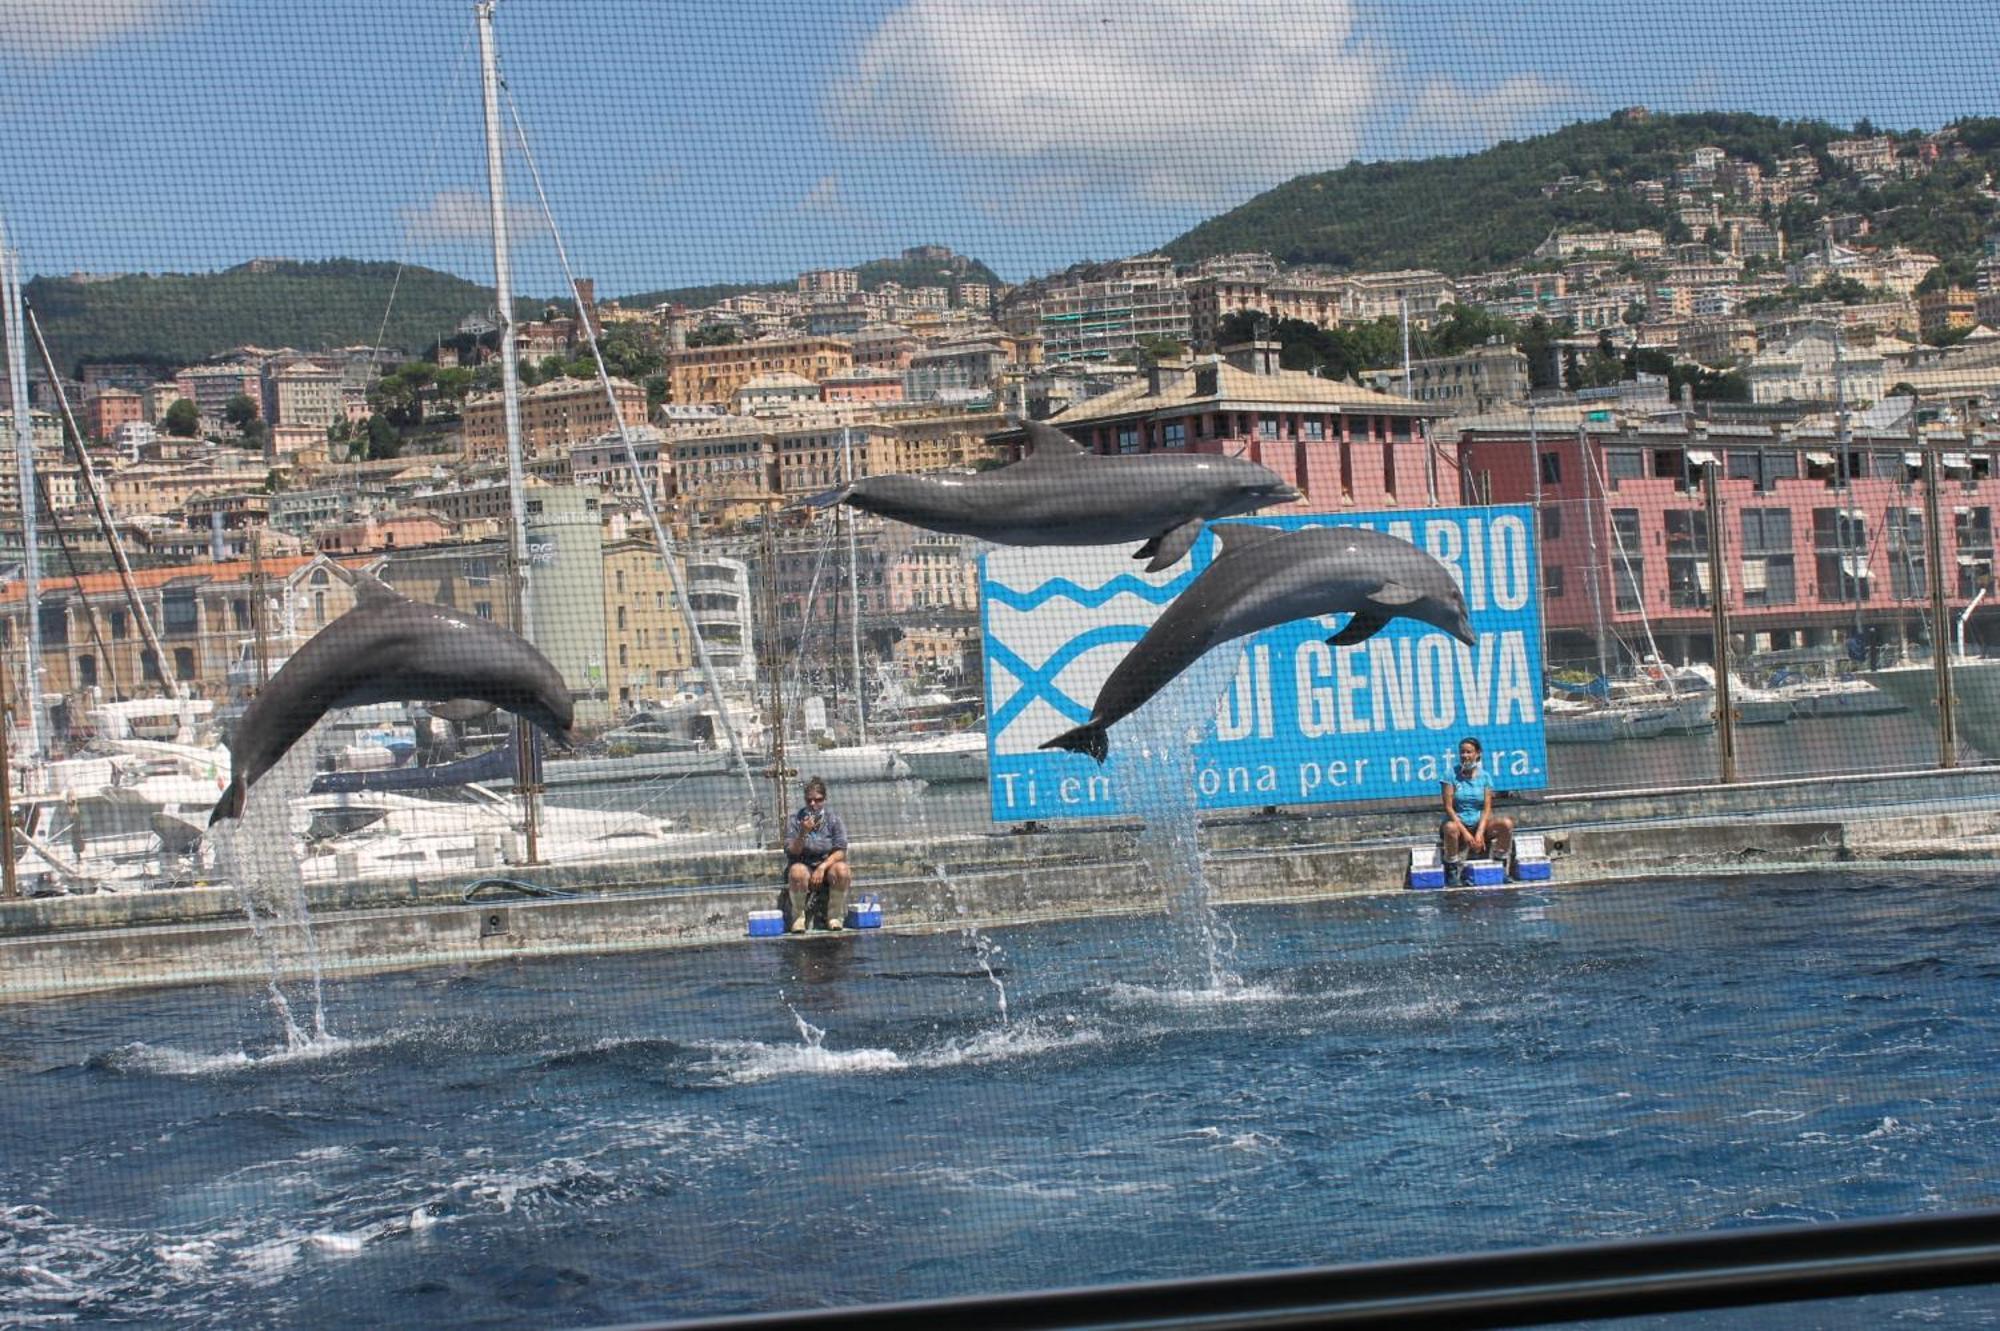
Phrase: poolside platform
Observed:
(82, 943)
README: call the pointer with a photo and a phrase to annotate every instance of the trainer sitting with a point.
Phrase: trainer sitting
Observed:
(816, 870)
(1470, 825)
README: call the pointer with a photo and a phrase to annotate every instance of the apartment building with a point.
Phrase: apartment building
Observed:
(555, 417)
(647, 651)
(105, 410)
(1117, 309)
(712, 375)
(1344, 447)
(1472, 383)
(1809, 544)
(1942, 310)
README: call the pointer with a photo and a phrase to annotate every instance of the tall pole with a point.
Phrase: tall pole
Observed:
(1422, 426)
(1940, 636)
(854, 595)
(9, 887)
(24, 463)
(1718, 608)
(1541, 555)
(1842, 515)
(1596, 571)
(510, 400)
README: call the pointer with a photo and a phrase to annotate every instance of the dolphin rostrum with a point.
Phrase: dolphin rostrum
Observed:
(1261, 577)
(389, 648)
(1062, 495)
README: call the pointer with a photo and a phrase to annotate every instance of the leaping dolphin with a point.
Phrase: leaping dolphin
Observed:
(389, 648)
(1261, 577)
(1063, 495)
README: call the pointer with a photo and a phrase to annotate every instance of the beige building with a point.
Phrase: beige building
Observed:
(712, 375)
(555, 417)
(647, 650)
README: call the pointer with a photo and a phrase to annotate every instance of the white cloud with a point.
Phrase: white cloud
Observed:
(823, 197)
(463, 214)
(1447, 117)
(48, 29)
(1174, 101)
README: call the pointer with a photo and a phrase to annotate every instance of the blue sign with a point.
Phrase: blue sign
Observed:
(1302, 722)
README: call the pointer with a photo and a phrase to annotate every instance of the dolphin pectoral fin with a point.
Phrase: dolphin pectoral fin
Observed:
(1394, 593)
(1170, 546)
(1363, 626)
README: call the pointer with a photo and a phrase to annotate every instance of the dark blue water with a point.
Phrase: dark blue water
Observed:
(790, 1124)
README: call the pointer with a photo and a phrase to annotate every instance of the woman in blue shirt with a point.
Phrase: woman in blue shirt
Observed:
(1469, 823)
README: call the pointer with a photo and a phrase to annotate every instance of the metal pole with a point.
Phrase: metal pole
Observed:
(87, 473)
(1718, 606)
(1590, 530)
(510, 396)
(24, 462)
(1940, 636)
(257, 607)
(10, 887)
(1541, 554)
(854, 596)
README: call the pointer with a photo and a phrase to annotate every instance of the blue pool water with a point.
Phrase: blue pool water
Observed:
(790, 1124)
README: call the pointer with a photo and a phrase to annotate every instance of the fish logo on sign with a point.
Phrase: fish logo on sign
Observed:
(1044, 669)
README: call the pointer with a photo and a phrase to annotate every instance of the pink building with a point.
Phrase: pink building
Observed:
(1345, 447)
(1809, 548)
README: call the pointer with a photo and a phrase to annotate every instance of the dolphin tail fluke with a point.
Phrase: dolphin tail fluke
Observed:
(1089, 739)
(231, 803)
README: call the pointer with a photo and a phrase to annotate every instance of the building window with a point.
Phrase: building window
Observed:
(1552, 581)
(178, 615)
(1840, 555)
(1624, 464)
(149, 665)
(1315, 427)
(86, 671)
(1552, 469)
(1550, 518)
(55, 622)
(1628, 565)
(1174, 434)
(239, 614)
(1973, 528)
(1128, 439)
(1687, 560)
(1267, 427)
(483, 609)
(1769, 577)
(183, 663)
(121, 627)
(1909, 574)
(621, 619)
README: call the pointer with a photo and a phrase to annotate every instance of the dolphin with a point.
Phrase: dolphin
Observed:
(1261, 577)
(1062, 495)
(389, 648)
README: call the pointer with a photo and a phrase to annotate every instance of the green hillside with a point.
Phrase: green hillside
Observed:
(179, 318)
(1488, 209)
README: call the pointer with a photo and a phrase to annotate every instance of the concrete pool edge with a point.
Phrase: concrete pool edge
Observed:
(71, 945)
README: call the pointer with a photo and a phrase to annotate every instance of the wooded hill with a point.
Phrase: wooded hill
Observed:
(872, 274)
(175, 319)
(1488, 210)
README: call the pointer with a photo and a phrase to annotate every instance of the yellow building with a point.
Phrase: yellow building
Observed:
(711, 375)
(647, 650)
(555, 417)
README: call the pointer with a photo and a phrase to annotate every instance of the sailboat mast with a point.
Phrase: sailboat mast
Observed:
(854, 595)
(24, 461)
(1596, 570)
(510, 399)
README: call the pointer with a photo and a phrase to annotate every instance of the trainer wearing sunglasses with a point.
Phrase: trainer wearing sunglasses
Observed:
(816, 870)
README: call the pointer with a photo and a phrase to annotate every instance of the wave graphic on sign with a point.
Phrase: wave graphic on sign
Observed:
(1093, 597)
(1039, 682)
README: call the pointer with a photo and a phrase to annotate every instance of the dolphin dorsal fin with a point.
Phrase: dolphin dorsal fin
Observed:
(1051, 443)
(371, 590)
(1242, 535)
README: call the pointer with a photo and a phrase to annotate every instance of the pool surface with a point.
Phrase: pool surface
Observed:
(793, 1124)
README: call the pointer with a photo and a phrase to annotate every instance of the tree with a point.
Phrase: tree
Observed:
(240, 411)
(383, 441)
(183, 419)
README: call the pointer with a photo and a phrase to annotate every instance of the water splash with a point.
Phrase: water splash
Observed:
(255, 853)
(812, 1035)
(1152, 753)
(984, 950)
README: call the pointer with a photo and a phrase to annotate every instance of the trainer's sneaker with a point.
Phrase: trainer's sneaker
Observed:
(834, 923)
(798, 924)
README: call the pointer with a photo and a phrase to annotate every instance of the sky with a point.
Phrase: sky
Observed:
(690, 141)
